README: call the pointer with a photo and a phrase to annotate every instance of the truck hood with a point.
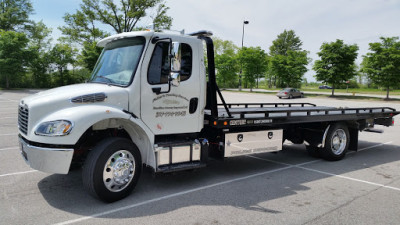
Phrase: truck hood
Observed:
(72, 91)
(53, 100)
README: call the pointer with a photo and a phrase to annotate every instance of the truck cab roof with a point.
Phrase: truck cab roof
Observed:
(149, 34)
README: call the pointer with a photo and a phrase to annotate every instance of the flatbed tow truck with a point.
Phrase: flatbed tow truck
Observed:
(150, 102)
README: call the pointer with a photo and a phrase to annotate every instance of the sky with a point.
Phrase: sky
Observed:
(314, 21)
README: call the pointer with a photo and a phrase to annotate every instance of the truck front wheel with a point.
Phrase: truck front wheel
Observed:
(336, 142)
(112, 169)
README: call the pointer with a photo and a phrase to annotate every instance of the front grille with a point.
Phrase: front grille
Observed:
(23, 115)
(96, 97)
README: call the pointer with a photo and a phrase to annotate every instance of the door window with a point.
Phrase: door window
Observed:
(159, 67)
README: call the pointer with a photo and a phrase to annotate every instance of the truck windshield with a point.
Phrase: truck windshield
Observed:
(118, 62)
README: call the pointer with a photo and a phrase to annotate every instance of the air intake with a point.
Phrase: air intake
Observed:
(23, 115)
(96, 97)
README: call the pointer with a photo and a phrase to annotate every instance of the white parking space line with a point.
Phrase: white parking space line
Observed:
(18, 173)
(350, 178)
(8, 134)
(373, 146)
(7, 124)
(10, 117)
(332, 174)
(9, 148)
(282, 163)
(9, 100)
(171, 196)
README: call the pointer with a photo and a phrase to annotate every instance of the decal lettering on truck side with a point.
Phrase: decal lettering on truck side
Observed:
(170, 105)
(244, 122)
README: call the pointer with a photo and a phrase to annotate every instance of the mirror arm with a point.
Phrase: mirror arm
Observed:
(158, 91)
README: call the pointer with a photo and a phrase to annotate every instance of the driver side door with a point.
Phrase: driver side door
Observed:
(167, 108)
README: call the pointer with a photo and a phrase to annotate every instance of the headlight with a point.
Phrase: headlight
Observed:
(54, 128)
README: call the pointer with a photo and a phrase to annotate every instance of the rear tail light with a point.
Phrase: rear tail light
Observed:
(285, 93)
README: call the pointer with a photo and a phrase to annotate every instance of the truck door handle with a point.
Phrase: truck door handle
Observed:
(193, 105)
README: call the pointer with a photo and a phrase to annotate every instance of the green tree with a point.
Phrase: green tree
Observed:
(290, 67)
(224, 47)
(227, 67)
(62, 56)
(226, 63)
(160, 19)
(123, 17)
(337, 63)
(82, 28)
(286, 41)
(13, 57)
(287, 60)
(89, 55)
(14, 14)
(382, 64)
(254, 64)
(40, 46)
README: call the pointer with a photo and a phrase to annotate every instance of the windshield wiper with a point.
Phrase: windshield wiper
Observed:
(105, 78)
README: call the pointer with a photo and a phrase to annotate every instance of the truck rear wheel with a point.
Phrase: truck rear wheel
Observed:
(112, 169)
(336, 142)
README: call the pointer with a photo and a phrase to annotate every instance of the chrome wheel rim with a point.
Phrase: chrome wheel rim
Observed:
(338, 141)
(119, 171)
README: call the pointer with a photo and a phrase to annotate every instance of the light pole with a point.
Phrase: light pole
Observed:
(241, 64)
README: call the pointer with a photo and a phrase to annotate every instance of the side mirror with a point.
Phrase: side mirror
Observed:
(176, 57)
(175, 79)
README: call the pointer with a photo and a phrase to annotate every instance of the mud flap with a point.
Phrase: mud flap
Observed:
(353, 146)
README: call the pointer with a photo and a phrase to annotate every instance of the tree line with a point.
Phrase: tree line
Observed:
(286, 63)
(30, 58)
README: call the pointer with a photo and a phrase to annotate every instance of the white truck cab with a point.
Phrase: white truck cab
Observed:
(131, 94)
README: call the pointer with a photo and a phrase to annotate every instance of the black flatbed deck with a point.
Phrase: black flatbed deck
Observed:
(262, 114)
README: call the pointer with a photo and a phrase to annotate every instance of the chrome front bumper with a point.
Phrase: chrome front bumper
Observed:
(50, 160)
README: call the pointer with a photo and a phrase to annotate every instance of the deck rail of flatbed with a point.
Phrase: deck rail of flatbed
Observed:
(250, 114)
(246, 105)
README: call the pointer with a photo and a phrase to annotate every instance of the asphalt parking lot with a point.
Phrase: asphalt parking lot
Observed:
(285, 188)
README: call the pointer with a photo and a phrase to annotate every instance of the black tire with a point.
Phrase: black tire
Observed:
(124, 160)
(302, 96)
(280, 97)
(336, 142)
(313, 151)
(290, 96)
